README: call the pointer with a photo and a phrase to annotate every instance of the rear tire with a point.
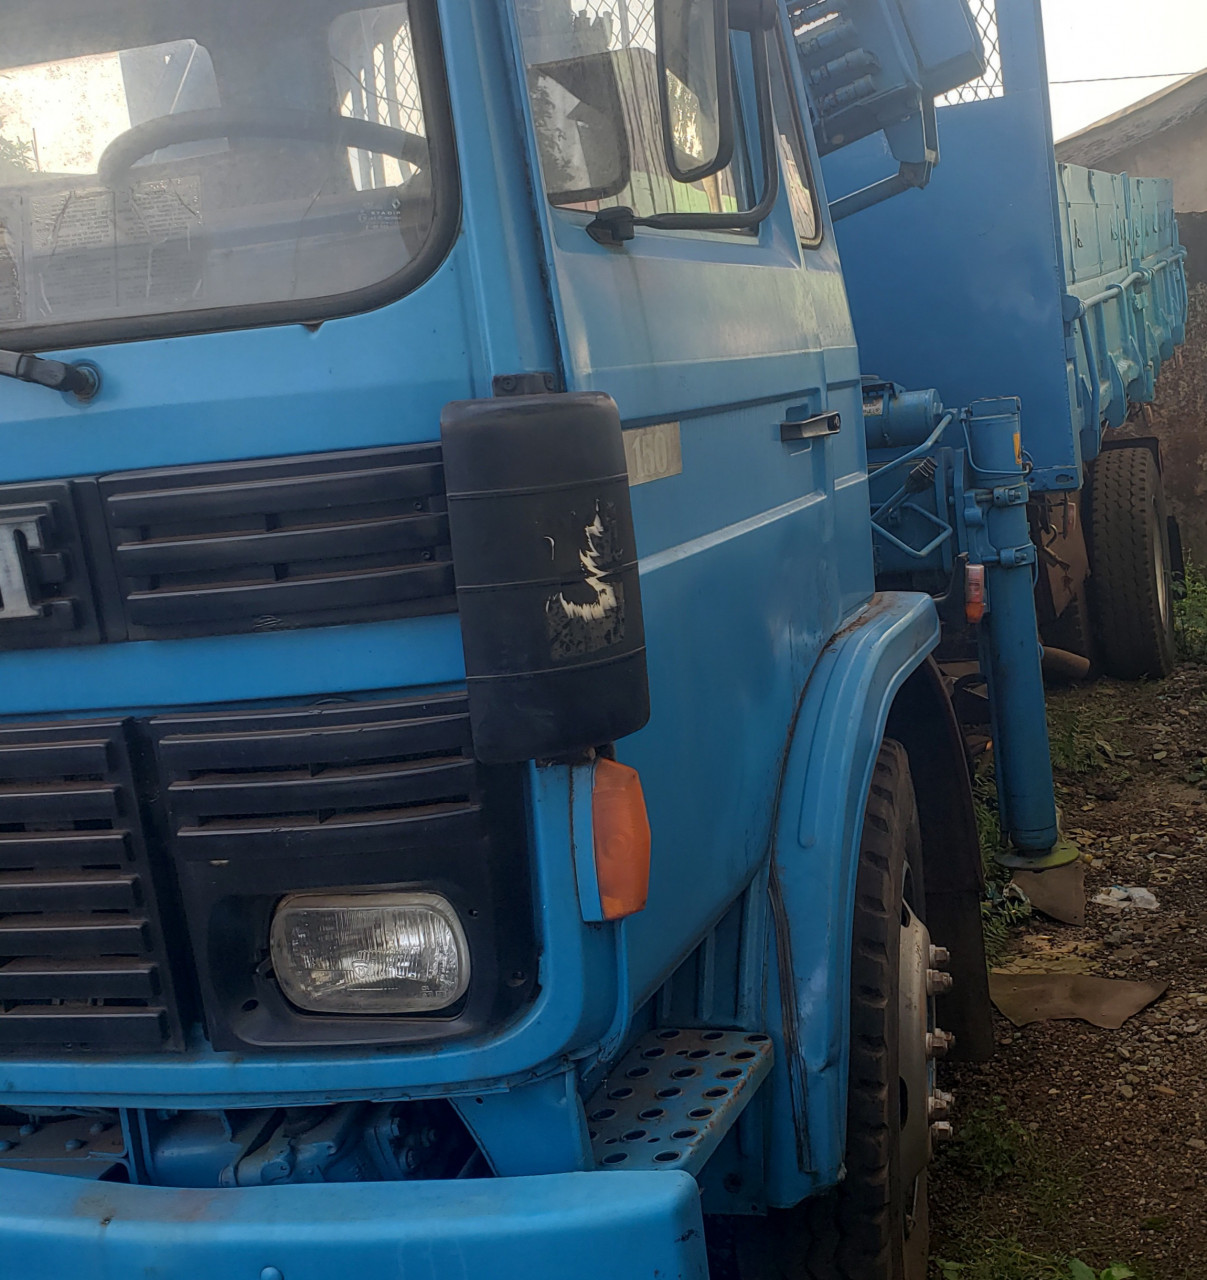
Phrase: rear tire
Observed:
(1130, 567)
(873, 1225)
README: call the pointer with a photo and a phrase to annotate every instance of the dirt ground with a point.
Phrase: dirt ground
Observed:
(1077, 1142)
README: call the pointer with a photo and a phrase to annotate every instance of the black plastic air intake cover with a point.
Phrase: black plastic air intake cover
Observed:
(546, 566)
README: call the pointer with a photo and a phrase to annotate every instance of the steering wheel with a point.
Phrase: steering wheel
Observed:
(198, 126)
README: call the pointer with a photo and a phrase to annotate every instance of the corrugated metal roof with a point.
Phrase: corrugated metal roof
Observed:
(1160, 111)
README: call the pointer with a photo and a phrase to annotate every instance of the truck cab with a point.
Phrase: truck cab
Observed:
(465, 802)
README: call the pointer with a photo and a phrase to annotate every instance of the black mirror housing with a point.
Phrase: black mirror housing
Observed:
(545, 559)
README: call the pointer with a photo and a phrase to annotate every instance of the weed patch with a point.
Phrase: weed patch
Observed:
(1073, 739)
(1002, 907)
(1190, 614)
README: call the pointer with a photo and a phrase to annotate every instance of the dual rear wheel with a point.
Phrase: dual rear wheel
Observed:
(1131, 591)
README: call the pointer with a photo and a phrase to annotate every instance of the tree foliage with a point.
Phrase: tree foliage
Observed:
(15, 154)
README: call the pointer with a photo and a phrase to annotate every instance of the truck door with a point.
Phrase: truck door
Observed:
(728, 350)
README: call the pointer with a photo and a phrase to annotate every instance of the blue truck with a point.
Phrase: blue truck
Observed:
(479, 528)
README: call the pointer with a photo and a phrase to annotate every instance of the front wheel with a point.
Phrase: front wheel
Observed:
(873, 1225)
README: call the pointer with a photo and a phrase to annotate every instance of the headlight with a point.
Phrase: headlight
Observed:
(369, 953)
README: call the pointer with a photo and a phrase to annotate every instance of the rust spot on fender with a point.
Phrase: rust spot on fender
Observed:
(870, 612)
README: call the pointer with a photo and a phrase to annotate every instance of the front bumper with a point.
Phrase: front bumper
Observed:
(585, 1226)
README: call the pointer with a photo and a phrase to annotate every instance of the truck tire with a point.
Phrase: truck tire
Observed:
(873, 1226)
(1130, 567)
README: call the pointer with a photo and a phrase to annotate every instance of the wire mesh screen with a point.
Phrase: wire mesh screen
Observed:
(991, 84)
(628, 23)
(377, 79)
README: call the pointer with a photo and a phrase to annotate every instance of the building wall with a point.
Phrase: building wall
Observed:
(1179, 153)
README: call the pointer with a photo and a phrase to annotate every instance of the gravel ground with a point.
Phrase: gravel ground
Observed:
(1122, 1113)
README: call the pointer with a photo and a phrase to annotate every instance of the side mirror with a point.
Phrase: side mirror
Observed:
(695, 86)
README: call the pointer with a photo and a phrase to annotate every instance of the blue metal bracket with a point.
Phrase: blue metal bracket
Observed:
(532, 1128)
(1011, 495)
(1014, 557)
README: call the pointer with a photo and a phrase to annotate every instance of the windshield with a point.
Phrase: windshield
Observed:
(197, 160)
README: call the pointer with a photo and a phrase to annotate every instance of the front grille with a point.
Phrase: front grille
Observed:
(130, 849)
(46, 602)
(313, 540)
(322, 781)
(287, 542)
(83, 962)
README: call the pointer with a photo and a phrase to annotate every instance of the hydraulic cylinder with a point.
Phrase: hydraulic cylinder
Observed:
(1010, 648)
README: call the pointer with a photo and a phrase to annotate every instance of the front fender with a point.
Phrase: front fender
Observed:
(826, 776)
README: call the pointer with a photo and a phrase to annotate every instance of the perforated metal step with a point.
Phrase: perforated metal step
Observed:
(674, 1096)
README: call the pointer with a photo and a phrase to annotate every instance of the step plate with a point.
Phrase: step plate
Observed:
(674, 1096)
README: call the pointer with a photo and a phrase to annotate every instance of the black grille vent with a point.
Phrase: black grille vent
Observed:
(82, 955)
(289, 542)
(358, 778)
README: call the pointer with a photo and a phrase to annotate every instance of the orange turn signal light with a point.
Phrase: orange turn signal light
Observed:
(622, 839)
(974, 593)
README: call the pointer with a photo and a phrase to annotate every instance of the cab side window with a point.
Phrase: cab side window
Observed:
(593, 84)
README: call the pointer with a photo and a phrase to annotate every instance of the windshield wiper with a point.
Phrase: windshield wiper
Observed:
(81, 380)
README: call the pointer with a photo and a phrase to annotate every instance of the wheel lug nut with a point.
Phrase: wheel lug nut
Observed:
(940, 957)
(938, 1043)
(938, 982)
(938, 1106)
(942, 1131)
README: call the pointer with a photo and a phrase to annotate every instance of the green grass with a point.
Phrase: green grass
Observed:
(1073, 738)
(989, 1146)
(1003, 1258)
(1001, 909)
(992, 1151)
(1190, 614)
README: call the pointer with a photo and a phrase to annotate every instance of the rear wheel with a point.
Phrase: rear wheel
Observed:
(873, 1226)
(1130, 578)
